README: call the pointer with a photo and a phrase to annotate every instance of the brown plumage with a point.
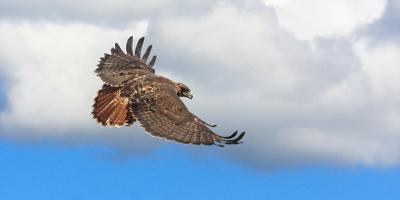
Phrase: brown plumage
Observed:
(132, 92)
(111, 108)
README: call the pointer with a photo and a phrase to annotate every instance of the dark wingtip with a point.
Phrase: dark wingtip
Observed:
(147, 53)
(129, 44)
(152, 61)
(141, 40)
(229, 140)
(118, 48)
(236, 141)
(139, 47)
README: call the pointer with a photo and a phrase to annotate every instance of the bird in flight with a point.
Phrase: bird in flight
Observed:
(132, 92)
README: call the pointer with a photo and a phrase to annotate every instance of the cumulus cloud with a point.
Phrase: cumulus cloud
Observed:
(309, 19)
(331, 99)
(381, 65)
(50, 70)
(386, 28)
(297, 99)
(104, 12)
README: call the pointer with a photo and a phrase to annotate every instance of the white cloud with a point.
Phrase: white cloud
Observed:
(103, 12)
(50, 67)
(295, 100)
(308, 19)
(381, 63)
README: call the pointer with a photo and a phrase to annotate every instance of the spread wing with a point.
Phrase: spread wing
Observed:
(163, 114)
(117, 67)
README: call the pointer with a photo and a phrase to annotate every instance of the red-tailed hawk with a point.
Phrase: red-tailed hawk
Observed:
(133, 93)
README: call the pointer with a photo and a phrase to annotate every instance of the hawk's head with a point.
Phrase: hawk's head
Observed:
(183, 90)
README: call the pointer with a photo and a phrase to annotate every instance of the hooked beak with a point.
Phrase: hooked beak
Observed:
(189, 95)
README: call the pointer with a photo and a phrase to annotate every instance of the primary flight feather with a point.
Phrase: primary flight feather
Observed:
(134, 93)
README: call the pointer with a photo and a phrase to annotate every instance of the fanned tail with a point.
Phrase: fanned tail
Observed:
(110, 108)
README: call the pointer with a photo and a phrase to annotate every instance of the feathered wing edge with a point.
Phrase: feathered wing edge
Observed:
(119, 66)
(192, 131)
(221, 140)
(138, 50)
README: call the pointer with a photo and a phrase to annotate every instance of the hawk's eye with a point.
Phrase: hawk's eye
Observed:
(184, 90)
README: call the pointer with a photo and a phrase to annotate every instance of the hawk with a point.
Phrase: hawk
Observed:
(132, 92)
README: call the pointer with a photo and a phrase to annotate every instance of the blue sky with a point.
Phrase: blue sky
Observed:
(47, 171)
(314, 84)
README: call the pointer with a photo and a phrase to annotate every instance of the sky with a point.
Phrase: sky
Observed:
(313, 83)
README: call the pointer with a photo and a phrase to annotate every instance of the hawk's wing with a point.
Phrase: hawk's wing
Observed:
(163, 114)
(118, 67)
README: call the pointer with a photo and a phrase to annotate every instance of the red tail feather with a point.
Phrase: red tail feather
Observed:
(112, 109)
